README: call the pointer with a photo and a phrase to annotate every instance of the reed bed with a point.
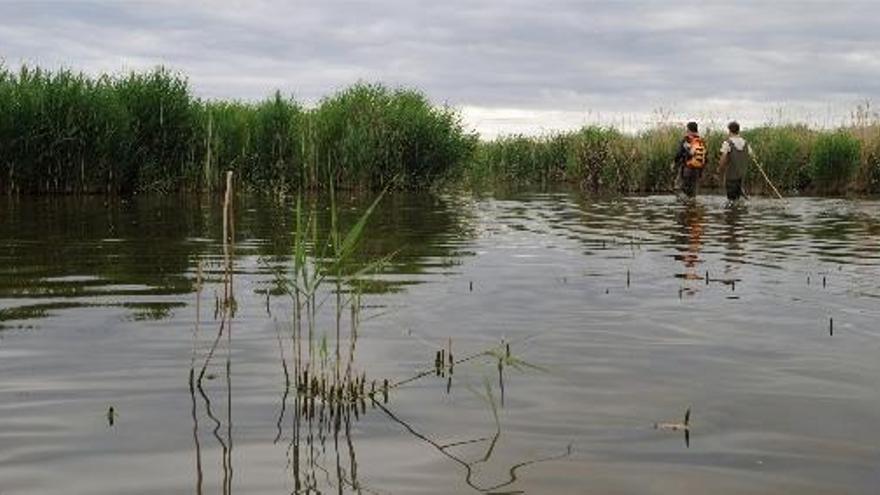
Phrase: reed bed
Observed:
(603, 160)
(65, 132)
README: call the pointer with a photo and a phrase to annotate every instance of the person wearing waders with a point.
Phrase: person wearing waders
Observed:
(690, 160)
(735, 159)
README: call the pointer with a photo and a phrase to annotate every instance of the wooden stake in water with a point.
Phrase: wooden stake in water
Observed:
(449, 356)
(627, 278)
(831, 326)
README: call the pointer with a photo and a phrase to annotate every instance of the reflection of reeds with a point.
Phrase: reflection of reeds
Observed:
(225, 306)
(192, 393)
(326, 388)
(322, 414)
(491, 441)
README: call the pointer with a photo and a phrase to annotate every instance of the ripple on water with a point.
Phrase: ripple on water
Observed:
(605, 303)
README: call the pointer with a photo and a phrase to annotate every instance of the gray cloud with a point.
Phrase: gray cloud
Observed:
(571, 61)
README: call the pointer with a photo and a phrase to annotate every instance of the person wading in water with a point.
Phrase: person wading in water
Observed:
(690, 161)
(735, 159)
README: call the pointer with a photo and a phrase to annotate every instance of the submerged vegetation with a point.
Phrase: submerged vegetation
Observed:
(66, 132)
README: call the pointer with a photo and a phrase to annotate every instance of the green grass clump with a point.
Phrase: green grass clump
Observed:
(521, 160)
(64, 132)
(784, 152)
(655, 150)
(369, 134)
(160, 132)
(867, 179)
(834, 159)
(261, 142)
(599, 159)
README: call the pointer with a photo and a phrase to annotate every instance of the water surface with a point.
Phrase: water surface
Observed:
(619, 313)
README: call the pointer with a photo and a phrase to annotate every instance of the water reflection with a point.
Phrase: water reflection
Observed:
(64, 253)
(469, 466)
(762, 372)
(688, 241)
(326, 400)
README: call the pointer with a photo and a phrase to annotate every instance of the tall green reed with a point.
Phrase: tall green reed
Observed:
(368, 134)
(65, 132)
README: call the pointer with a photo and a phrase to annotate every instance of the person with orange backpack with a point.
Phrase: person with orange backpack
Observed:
(690, 160)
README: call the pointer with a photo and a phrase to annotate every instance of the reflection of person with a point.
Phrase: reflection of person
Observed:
(690, 160)
(690, 242)
(735, 158)
(734, 236)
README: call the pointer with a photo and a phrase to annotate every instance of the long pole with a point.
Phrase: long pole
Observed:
(764, 174)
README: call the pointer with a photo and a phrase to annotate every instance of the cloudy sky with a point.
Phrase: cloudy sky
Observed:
(510, 66)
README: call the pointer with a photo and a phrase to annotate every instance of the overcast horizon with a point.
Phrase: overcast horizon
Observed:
(508, 66)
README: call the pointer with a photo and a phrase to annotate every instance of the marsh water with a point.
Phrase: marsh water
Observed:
(618, 313)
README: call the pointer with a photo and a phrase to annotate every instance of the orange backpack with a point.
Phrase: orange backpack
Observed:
(697, 158)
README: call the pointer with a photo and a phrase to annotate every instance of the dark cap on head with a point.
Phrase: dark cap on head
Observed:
(692, 126)
(733, 127)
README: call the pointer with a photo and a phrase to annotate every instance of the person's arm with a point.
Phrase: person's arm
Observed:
(722, 163)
